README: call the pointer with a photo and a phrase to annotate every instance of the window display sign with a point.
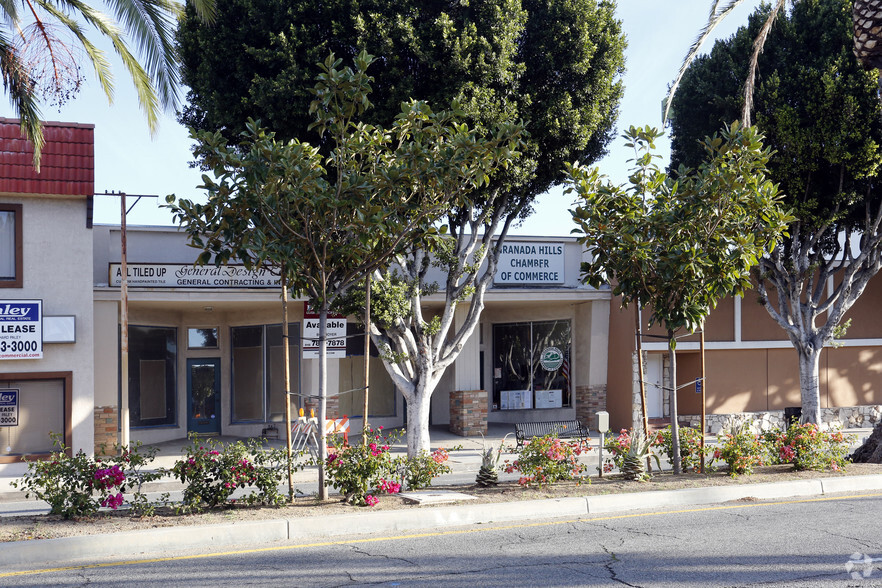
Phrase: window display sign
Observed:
(21, 329)
(336, 334)
(530, 263)
(8, 407)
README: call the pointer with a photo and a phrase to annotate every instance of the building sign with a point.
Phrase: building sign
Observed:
(8, 407)
(184, 275)
(335, 334)
(21, 329)
(530, 263)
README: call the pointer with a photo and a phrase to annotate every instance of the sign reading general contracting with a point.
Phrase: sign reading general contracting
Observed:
(530, 263)
(335, 334)
(181, 275)
(21, 329)
(9, 407)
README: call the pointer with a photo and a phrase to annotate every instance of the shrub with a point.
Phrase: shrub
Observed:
(690, 447)
(616, 450)
(418, 472)
(546, 460)
(808, 448)
(740, 449)
(212, 472)
(69, 483)
(358, 470)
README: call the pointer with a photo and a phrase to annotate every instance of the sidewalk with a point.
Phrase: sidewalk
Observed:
(465, 462)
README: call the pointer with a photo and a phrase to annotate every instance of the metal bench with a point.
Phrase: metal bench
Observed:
(561, 429)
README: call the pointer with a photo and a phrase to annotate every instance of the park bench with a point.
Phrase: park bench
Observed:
(561, 429)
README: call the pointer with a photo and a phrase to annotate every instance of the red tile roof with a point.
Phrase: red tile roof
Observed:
(67, 167)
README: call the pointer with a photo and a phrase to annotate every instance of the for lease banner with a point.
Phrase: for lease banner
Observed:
(9, 407)
(21, 329)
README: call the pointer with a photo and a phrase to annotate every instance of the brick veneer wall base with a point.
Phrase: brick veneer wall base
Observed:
(106, 429)
(468, 412)
(589, 401)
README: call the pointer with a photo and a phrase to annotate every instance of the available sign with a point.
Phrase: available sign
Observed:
(335, 334)
(530, 263)
(21, 329)
(181, 275)
(9, 407)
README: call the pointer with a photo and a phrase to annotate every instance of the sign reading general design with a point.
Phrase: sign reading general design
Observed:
(530, 263)
(335, 334)
(21, 329)
(181, 275)
(9, 407)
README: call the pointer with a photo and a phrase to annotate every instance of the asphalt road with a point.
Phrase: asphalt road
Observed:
(831, 541)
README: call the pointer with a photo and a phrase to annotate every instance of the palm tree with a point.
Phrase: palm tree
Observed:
(42, 43)
(867, 16)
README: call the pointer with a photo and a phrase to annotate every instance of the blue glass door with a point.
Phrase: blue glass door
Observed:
(203, 396)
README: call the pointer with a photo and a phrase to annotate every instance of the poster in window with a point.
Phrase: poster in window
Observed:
(9, 407)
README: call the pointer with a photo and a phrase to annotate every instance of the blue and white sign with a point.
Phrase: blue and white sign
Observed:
(9, 407)
(530, 263)
(21, 329)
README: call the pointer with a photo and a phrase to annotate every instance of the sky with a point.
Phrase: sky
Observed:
(128, 159)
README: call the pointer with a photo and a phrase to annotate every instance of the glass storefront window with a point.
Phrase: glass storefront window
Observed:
(152, 387)
(41, 411)
(381, 400)
(275, 367)
(259, 372)
(202, 338)
(248, 361)
(531, 365)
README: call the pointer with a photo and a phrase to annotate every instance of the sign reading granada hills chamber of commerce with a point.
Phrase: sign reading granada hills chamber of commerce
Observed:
(21, 329)
(530, 263)
(183, 275)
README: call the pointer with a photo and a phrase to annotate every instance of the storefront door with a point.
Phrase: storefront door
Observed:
(203, 396)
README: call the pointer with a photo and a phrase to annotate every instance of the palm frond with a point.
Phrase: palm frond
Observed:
(758, 45)
(151, 24)
(20, 87)
(715, 17)
(103, 24)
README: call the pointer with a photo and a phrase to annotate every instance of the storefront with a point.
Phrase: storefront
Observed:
(206, 355)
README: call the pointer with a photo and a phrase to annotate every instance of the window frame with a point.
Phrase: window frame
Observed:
(17, 281)
(67, 378)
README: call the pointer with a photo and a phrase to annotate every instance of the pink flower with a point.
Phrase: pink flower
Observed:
(371, 500)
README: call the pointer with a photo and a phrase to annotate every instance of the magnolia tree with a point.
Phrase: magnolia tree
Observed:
(820, 111)
(677, 246)
(331, 221)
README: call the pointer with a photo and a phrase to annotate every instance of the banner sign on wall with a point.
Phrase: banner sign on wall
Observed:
(335, 334)
(21, 329)
(8, 407)
(185, 275)
(530, 263)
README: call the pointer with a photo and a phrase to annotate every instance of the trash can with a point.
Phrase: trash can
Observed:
(791, 414)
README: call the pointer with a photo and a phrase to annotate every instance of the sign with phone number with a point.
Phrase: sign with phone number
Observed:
(21, 329)
(9, 408)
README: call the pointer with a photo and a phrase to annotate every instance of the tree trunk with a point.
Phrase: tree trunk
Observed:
(418, 420)
(809, 360)
(323, 399)
(675, 425)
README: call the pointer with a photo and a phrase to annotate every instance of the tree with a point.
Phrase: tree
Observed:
(867, 44)
(330, 221)
(552, 63)
(39, 54)
(679, 245)
(822, 117)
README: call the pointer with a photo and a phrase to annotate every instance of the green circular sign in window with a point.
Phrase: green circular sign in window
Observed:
(551, 359)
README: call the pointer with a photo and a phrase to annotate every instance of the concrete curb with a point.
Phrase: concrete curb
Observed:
(154, 541)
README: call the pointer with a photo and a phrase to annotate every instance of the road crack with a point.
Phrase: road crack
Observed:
(613, 575)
